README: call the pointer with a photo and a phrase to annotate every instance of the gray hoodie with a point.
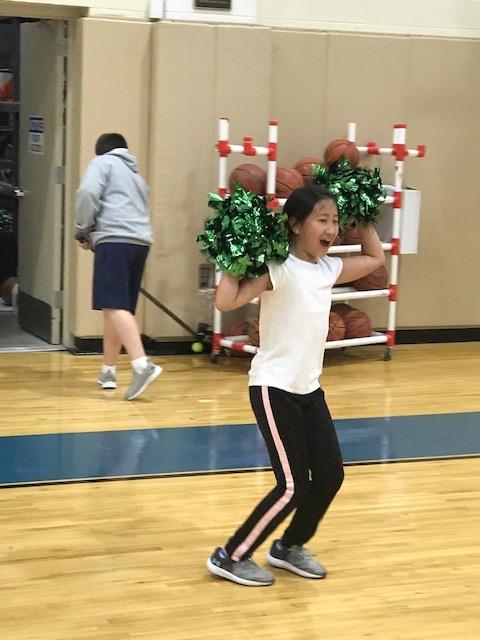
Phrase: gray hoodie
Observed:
(112, 201)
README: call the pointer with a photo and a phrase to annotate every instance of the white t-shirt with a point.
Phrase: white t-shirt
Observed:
(294, 324)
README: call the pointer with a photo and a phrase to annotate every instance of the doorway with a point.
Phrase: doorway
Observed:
(33, 75)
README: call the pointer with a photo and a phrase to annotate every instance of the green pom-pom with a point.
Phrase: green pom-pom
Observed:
(243, 235)
(358, 191)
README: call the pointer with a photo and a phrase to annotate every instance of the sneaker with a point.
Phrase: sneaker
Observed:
(140, 381)
(295, 559)
(107, 380)
(244, 572)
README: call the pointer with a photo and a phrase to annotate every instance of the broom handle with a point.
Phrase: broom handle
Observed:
(168, 312)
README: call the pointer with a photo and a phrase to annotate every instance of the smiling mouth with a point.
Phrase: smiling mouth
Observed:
(325, 244)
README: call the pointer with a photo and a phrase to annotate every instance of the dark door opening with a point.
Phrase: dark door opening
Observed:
(31, 81)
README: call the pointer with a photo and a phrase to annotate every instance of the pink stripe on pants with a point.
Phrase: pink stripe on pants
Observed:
(285, 498)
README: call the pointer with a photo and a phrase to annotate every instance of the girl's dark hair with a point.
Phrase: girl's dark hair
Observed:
(109, 141)
(302, 201)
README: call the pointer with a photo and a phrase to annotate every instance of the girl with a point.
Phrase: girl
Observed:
(284, 390)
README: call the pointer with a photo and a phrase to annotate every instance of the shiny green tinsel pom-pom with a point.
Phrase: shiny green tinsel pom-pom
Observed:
(243, 235)
(358, 191)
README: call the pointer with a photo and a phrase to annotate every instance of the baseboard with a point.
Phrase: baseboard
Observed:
(183, 346)
(168, 347)
(172, 347)
(429, 336)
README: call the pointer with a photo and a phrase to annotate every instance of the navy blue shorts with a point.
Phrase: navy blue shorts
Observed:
(118, 271)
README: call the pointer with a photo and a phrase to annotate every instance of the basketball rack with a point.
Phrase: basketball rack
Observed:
(399, 151)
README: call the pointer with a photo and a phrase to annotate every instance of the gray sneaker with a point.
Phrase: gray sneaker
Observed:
(107, 380)
(140, 381)
(295, 559)
(244, 572)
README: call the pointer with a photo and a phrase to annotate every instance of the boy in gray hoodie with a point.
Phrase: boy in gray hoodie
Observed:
(112, 219)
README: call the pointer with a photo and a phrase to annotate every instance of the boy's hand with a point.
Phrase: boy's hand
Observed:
(85, 243)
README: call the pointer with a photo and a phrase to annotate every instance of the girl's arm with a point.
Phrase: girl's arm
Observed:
(372, 256)
(233, 293)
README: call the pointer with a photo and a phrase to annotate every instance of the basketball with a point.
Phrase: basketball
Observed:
(357, 324)
(254, 332)
(350, 235)
(237, 327)
(336, 327)
(249, 177)
(288, 179)
(341, 308)
(342, 148)
(6, 290)
(378, 279)
(305, 167)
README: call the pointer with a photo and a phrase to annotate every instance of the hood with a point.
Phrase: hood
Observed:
(126, 156)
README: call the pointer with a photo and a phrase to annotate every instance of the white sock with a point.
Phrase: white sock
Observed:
(108, 369)
(140, 364)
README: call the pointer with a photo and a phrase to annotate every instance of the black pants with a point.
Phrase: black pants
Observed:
(307, 463)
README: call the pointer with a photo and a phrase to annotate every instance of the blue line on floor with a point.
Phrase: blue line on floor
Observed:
(138, 452)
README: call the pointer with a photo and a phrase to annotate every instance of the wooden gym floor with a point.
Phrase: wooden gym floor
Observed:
(124, 559)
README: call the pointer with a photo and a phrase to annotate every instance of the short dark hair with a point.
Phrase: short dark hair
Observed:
(301, 202)
(108, 141)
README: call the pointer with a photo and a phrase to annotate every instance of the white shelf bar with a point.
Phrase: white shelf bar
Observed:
(238, 346)
(376, 338)
(237, 343)
(387, 151)
(343, 289)
(236, 148)
(360, 295)
(354, 248)
(279, 202)
(381, 151)
(348, 293)
(338, 293)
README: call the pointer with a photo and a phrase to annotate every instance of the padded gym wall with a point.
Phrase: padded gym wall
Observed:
(113, 93)
(427, 82)
(199, 72)
(314, 83)
(440, 287)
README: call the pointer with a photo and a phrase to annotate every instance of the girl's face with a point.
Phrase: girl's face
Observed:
(312, 238)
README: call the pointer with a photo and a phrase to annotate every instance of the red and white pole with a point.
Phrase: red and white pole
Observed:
(224, 150)
(247, 148)
(272, 162)
(400, 152)
(352, 131)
